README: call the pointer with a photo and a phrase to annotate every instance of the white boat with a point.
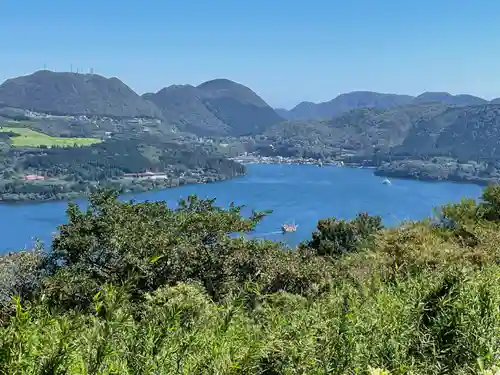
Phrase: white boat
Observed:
(288, 228)
(285, 228)
(386, 182)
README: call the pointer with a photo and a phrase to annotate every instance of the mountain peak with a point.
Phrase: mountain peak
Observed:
(371, 99)
(218, 82)
(68, 93)
(219, 106)
(449, 99)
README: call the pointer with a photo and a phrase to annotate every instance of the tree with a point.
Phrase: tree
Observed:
(335, 237)
(147, 244)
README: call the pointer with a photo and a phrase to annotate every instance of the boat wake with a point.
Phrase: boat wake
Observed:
(269, 233)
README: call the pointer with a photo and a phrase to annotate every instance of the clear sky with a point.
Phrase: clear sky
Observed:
(286, 51)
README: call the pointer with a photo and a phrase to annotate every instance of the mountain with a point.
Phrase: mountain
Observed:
(369, 99)
(182, 105)
(360, 128)
(413, 131)
(216, 107)
(75, 94)
(469, 133)
(448, 99)
(346, 102)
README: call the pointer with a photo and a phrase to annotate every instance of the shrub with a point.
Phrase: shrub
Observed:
(141, 288)
(20, 275)
(336, 237)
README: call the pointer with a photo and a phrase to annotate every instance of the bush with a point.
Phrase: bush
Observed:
(141, 288)
(20, 275)
(336, 237)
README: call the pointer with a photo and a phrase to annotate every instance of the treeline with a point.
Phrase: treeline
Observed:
(140, 288)
(115, 157)
(71, 170)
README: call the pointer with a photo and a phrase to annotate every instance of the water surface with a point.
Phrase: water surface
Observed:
(296, 193)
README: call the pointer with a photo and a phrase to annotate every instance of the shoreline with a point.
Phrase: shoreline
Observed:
(73, 196)
(478, 182)
(280, 160)
(248, 160)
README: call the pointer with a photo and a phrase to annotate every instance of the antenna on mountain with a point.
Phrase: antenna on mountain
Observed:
(71, 68)
(91, 70)
(44, 66)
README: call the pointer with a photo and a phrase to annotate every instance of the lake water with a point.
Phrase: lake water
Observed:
(296, 193)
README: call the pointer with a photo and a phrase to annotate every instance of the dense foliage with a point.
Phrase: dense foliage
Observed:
(67, 93)
(140, 288)
(77, 170)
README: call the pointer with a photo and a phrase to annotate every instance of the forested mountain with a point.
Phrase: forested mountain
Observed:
(359, 128)
(222, 107)
(368, 99)
(465, 132)
(75, 94)
(181, 105)
(448, 99)
(346, 102)
(469, 133)
(217, 107)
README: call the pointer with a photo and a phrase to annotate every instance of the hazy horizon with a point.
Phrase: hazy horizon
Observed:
(287, 53)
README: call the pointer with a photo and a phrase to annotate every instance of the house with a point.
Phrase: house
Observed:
(33, 177)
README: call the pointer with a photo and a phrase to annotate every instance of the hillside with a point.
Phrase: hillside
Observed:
(359, 128)
(448, 99)
(429, 141)
(368, 99)
(75, 94)
(466, 133)
(69, 171)
(183, 106)
(217, 107)
(346, 102)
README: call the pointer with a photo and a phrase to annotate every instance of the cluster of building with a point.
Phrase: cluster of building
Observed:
(33, 177)
(147, 175)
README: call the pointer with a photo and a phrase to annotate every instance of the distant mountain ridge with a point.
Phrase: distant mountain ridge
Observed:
(361, 128)
(215, 107)
(412, 131)
(219, 107)
(370, 99)
(75, 94)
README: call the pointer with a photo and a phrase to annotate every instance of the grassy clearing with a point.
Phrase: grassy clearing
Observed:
(31, 138)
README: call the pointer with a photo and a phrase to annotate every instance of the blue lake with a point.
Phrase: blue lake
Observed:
(296, 193)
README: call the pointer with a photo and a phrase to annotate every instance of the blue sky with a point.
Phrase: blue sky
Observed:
(286, 51)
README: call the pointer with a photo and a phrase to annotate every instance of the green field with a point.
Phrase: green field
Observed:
(31, 138)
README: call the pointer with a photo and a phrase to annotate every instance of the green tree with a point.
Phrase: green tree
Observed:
(335, 237)
(146, 244)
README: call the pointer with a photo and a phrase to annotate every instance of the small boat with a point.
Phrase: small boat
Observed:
(386, 182)
(289, 228)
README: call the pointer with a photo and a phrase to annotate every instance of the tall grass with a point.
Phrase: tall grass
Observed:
(417, 299)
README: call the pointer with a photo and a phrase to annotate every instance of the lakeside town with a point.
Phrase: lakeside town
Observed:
(250, 158)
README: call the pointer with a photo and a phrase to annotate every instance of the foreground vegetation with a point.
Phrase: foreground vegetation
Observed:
(25, 137)
(139, 288)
